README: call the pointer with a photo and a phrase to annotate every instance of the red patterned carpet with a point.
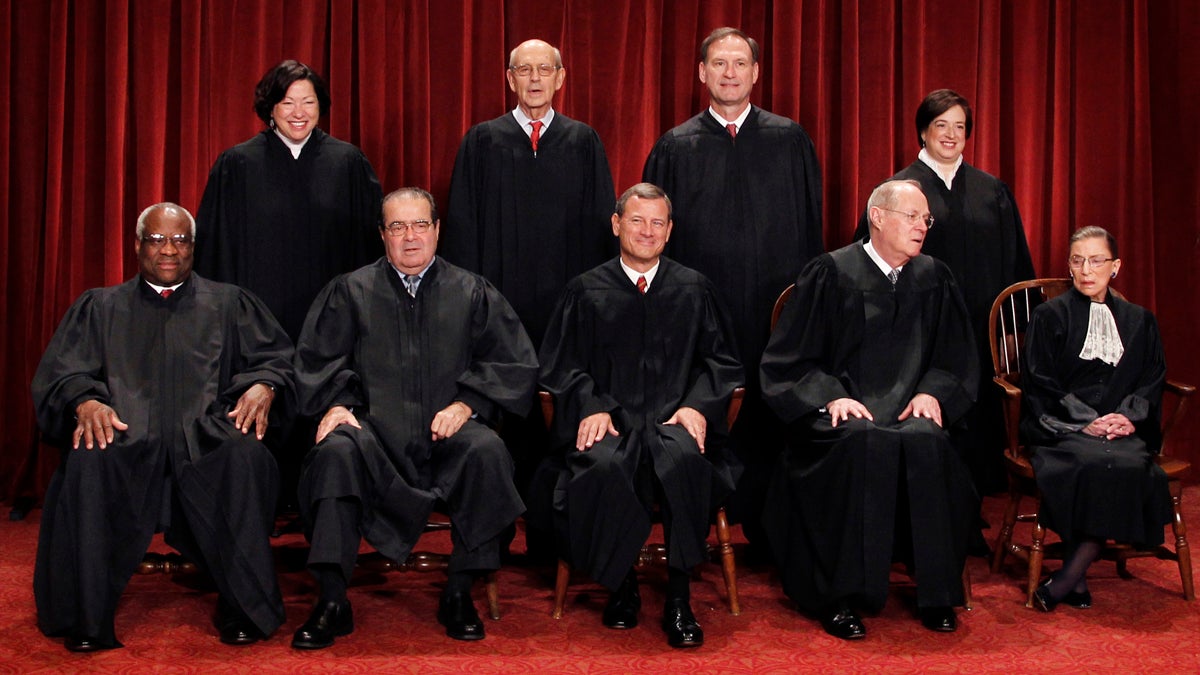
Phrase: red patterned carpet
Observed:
(1139, 625)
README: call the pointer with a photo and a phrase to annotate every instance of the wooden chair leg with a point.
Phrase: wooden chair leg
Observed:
(728, 565)
(1182, 552)
(562, 577)
(1036, 554)
(493, 596)
(1004, 539)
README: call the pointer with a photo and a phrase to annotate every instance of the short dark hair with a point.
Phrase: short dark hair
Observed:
(409, 193)
(644, 191)
(274, 85)
(1096, 231)
(721, 34)
(936, 103)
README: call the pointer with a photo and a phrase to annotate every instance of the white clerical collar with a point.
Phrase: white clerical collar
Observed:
(879, 261)
(294, 146)
(725, 123)
(634, 274)
(523, 120)
(159, 289)
(947, 177)
(1103, 342)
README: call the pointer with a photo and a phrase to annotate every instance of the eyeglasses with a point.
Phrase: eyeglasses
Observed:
(525, 69)
(912, 216)
(398, 228)
(160, 240)
(1077, 261)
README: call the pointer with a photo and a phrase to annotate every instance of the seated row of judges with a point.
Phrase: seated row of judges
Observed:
(161, 391)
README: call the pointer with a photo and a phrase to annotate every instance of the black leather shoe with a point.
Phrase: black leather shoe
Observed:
(234, 627)
(841, 622)
(1078, 600)
(456, 611)
(940, 619)
(623, 606)
(1042, 598)
(83, 644)
(327, 621)
(680, 624)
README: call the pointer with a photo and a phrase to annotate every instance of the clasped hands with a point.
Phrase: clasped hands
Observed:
(1110, 426)
(594, 427)
(445, 423)
(921, 405)
(96, 422)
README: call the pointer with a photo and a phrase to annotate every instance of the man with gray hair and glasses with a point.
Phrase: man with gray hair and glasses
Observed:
(871, 364)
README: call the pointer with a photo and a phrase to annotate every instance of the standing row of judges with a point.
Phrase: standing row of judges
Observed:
(530, 208)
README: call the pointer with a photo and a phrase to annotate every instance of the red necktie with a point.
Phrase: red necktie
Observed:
(732, 129)
(641, 284)
(537, 133)
(166, 292)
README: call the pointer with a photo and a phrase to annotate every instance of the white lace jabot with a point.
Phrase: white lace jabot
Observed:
(1103, 341)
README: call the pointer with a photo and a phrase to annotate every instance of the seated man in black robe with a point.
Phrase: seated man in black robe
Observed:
(152, 389)
(640, 358)
(871, 363)
(409, 360)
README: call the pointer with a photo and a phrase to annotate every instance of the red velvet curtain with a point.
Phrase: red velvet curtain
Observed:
(1086, 108)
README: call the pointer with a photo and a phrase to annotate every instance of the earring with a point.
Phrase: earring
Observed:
(1114, 275)
(1071, 274)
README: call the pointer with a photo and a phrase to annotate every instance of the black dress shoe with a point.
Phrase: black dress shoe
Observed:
(456, 611)
(1078, 600)
(623, 606)
(234, 627)
(1042, 598)
(83, 644)
(940, 619)
(327, 621)
(841, 622)
(680, 624)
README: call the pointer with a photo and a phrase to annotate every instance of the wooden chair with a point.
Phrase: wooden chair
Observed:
(657, 553)
(1006, 326)
(775, 312)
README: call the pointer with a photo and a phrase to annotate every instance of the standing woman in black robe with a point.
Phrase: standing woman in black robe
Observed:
(1092, 375)
(980, 237)
(291, 208)
(287, 211)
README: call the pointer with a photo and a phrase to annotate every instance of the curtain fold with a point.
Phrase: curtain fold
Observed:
(1085, 108)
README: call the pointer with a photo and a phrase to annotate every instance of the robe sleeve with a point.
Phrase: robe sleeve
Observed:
(71, 370)
(503, 367)
(1042, 393)
(952, 375)
(808, 192)
(220, 219)
(601, 203)
(264, 354)
(461, 242)
(657, 169)
(366, 202)
(716, 371)
(325, 376)
(794, 379)
(565, 356)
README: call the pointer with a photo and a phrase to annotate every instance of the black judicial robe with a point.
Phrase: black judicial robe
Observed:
(529, 223)
(171, 368)
(398, 360)
(747, 212)
(1092, 487)
(978, 233)
(639, 358)
(832, 508)
(282, 227)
